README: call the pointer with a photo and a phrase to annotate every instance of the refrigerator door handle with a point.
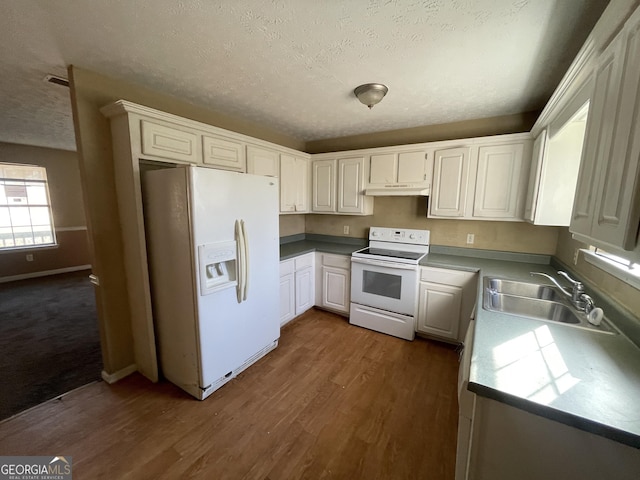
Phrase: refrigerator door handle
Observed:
(240, 261)
(245, 261)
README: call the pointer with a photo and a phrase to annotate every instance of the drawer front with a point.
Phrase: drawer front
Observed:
(171, 143)
(303, 261)
(337, 261)
(224, 153)
(445, 276)
(286, 267)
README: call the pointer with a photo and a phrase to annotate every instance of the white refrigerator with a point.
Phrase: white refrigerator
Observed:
(213, 251)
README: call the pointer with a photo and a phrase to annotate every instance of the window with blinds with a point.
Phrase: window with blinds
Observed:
(25, 209)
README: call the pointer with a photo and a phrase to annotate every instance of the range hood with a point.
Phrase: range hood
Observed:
(398, 190)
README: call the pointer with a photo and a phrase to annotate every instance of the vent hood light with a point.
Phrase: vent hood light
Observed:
(398, 190)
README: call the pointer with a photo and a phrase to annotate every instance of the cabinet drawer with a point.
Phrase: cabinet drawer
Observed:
(167, 142)
(286, 267)
(303, 261)
(337, 261)
(445, 276)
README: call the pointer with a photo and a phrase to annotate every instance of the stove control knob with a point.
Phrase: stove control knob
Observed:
(412, 236)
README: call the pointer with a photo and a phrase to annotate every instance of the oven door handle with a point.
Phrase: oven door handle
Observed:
(399, 266)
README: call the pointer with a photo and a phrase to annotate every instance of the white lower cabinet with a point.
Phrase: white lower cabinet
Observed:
(445, 302)
(297, 286)
(287, 292)
(439, 309)
(333, 291)
(304, 290)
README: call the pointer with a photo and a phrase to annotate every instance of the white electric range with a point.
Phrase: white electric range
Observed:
(384, 281)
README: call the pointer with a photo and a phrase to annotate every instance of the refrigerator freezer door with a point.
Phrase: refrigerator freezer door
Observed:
(217, 266)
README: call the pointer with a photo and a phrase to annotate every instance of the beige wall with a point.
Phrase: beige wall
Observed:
(624, 293)
(410, 212)
(430, 133)
(65, 191)
(89, 92)
(291, 225)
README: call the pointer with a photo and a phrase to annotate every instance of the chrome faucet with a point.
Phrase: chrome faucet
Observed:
(579, 299)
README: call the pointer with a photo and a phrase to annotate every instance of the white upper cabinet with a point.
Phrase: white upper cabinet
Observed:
(323, 194)
(555, 163)
(606, 210)
(337, 186)
(392, 172)
(485, 180)
(262, 161)
(294, 184)
(499, 182)
(169, 142)
(224, 153)
(351, 197)
(450, 179)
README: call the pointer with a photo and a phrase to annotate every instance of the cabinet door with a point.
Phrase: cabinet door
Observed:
(304, 290)
(412, 167)
(336, 285)
(617, 207)
(323, 186)
(598, 146)
(287, 298)
(439, 309)
(166, 142)
(450, 175)
(302, 182)
(223, 153)
(294, 184)
(498, 183)
(383, 169)
(535, 171)
(262, 161)
(351, 185)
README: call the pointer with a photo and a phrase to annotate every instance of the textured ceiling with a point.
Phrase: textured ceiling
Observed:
(292, 64)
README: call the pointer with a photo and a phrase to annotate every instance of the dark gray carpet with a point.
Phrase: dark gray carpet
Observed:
(49, 341)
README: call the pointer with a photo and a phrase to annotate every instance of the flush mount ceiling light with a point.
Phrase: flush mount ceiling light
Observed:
(371, 93)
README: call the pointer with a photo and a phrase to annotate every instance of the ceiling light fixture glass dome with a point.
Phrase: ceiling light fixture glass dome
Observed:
(370, 94)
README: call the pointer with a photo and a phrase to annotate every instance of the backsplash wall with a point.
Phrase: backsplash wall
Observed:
(410, 212)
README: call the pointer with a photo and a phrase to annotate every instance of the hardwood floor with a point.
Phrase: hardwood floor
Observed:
(332, 401)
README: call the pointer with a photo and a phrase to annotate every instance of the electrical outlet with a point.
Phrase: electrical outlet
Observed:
(575, 256)
(470, 238)
(345, 229)
(29, 257)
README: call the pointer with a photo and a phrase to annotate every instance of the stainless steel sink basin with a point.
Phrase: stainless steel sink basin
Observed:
(533, 300)
(522, 289)
(530, 307)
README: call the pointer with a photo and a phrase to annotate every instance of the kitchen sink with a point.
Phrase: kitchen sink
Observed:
(522, 289)
(530, 307)
(533, 300)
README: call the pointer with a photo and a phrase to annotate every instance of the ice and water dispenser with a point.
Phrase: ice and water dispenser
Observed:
(217, 263)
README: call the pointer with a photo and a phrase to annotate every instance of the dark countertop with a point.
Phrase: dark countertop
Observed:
(301, 244)
(588, 380)
(585, 379)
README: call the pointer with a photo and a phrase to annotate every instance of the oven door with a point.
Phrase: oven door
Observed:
(384, 285)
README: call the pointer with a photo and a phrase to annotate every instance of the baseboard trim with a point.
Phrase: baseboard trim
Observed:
(111, 378)
(44, 273)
